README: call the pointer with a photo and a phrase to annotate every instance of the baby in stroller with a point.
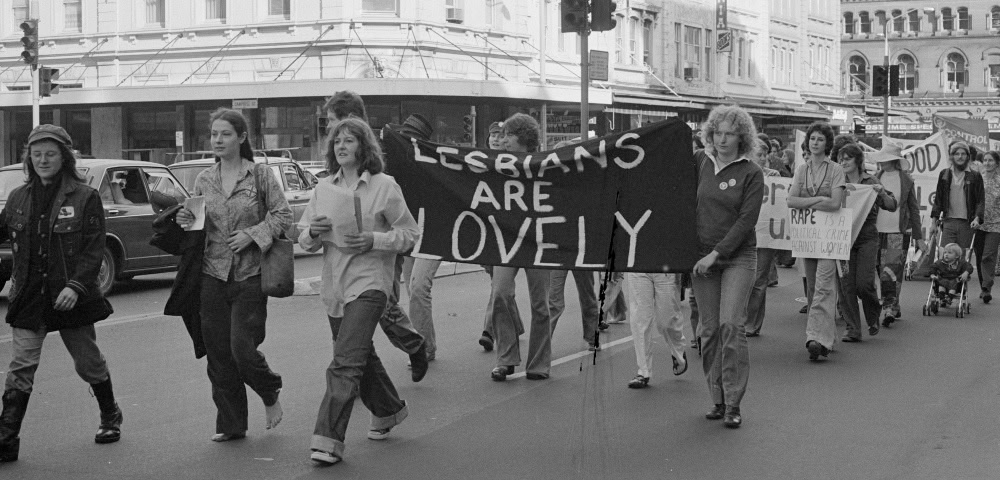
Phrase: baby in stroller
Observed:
(949, 273)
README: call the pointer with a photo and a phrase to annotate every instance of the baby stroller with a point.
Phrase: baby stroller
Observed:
(936, 299)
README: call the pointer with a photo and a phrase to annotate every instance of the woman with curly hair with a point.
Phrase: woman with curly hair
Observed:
(819, 185)
(357, 282)
(730, 193)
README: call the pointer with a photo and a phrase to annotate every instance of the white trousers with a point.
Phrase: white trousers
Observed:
(654, 298)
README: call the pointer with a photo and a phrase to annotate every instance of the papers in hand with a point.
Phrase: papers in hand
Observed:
(342, 207)
(197, 207)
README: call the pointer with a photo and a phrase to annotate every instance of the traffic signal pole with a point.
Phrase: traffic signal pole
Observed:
(36, 115)
(885, 99)
(584, 83)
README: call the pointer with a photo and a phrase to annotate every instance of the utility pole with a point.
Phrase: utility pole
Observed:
(584, 83)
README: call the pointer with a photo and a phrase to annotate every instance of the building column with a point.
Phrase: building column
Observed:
(107, 138)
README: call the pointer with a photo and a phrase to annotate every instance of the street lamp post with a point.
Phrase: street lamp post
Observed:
(885, 63)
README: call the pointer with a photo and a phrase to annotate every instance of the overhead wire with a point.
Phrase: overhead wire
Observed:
(309, 45)
(230, 42)
(468, 54)
(158, 52)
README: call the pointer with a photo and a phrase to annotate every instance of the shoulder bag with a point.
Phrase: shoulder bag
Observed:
(277, 264)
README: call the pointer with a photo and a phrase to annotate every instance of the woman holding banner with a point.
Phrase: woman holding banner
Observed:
(988, 237)
(895, 228)
(858, 279)
(521, 134)
(730, 193)
(819, 185)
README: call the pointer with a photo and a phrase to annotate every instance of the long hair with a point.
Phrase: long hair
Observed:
(68, 169)
(239, 123)
(525, 128)
(369, 152)
(823, 128)
(740, 121)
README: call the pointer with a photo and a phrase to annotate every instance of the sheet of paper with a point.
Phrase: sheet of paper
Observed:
(197, 206)
(342, 207)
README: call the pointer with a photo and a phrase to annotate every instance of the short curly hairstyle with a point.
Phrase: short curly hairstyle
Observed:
(740, 121)
(840, 141)
(345, 103)
(369, 154)
(821, 127)
(525, 128)
(856, 154)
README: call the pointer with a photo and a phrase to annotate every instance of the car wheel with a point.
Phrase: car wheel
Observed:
(108, 272)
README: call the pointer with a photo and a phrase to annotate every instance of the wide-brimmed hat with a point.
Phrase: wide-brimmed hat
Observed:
(49, 132)
(889, 152)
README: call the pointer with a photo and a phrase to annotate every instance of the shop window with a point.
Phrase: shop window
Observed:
(279, 8)
(73, 15)
(907, 73)
(956, 73)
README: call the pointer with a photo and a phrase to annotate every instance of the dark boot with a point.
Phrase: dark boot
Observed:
(111, 415)
(15, 403)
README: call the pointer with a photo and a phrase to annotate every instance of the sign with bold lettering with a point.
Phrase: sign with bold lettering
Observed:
(724, 43)
(598, 65)
(774, 227)
(557, 209)
(817, 234)
(974, 131)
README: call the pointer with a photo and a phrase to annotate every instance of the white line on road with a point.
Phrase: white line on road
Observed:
(107, 323)
(574, 356)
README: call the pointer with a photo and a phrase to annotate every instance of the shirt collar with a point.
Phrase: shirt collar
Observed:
(715, 163)
(338, 177)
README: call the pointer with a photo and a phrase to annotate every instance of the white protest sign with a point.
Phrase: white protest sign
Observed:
(927, 159)
(816, 234)
(772, 224)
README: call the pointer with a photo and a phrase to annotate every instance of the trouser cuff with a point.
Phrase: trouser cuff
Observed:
(327, 444)
(381, 423)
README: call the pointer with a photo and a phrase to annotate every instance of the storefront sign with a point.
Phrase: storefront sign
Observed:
(773, 224)
(816, 234)
(599, 65)
(724, 43)
(245, 104)
(721, 20)
(557, 209)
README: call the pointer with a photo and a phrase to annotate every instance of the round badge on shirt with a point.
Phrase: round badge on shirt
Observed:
(732, 182)
(723, 186)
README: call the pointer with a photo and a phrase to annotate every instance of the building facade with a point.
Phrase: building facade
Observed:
(140, 78)
(948, 56)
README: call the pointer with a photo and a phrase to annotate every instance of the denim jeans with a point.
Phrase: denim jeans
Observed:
(654, 299)
(821, 281)
(588, 300)
(985, 246)
(956, 230)
(356, 371)
(418, 287)
(488, 318)
(233, 317)
(722, 307)
(394, 322)
(757, 303)
(505, 323)
(81, 343)
(858, 282)
(892, 262)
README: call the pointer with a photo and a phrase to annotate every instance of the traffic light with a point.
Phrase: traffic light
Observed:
(859, 129)
(574, 15)
(880, 81)
(469, 125)
(30, 42)
(45, 77)
(893, 80)
(602, 14)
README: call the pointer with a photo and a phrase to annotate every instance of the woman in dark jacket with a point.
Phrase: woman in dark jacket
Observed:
(55, 224)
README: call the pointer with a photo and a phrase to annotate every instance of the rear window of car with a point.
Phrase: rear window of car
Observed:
(188, 174)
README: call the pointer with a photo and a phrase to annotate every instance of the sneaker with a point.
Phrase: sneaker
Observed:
(324, 457)
(486, 341)
(379, 434)
(639, 382)
(816, 349)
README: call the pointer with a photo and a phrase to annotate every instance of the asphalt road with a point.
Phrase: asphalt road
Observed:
(918, 401)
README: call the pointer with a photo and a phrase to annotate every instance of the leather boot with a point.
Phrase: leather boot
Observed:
(111, 415)
(15, 404)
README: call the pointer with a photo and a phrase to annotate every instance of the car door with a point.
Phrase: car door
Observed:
(298, 191)
(129, 217)
(164, 191)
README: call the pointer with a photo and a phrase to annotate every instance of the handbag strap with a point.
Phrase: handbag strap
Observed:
(261, 195)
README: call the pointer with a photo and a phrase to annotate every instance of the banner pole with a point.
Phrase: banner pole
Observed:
(608, 269)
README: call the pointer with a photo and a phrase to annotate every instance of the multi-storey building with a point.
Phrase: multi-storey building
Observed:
(140, 78)
(948, 56)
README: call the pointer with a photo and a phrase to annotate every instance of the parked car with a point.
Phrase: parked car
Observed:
(297, 184)
(132, 192)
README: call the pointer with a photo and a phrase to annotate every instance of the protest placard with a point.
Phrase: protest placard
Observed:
(772, 224)
(817, 234)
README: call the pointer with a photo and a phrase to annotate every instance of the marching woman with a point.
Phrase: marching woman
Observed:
(858, 282)
(55, 224)
(819, 184)
(988, 236)
(233, 306)
(357, 280)
(730, 193)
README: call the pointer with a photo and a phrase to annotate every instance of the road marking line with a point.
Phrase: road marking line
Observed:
(106, 323)
(574, 356)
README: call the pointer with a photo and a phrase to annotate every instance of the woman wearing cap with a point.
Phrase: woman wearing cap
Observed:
(730, 193)
(55, 224)
(988, 237)
(819, 185)
(895, 228)
(857, 281)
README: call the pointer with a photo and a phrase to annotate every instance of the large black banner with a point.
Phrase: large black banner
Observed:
(555, 209)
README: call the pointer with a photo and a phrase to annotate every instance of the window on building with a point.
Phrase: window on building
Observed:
(692, 52)
(789, 66)
(454, 11)
(994, 72)
(20, 11)
(619, 40)
(914, 20)
(813, 48)
(865, 21)
(751, 65)
(647, 42)
(279, 8)
(154, 12)
(956, 72)
(494, 14)
(740, 56)
(709, 47)
(74, 15)
(858, 74)
(633, 44)
(849, 23)
(898, 21)
(995, 17)
(947, 19)
(907, 73)
(678, 50)
(215, 10)
(380, 6)
(964, 21)
(773, 77)
(880, 18)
